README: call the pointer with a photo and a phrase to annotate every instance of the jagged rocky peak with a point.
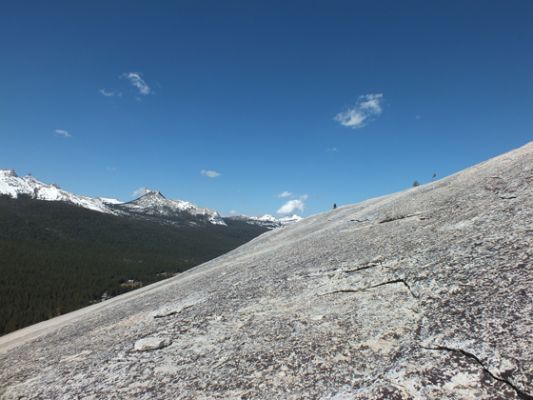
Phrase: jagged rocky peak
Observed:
(153, 194)
(423, 294)
(150, 197)
(8, 173)
(14, 186)
(154, 203)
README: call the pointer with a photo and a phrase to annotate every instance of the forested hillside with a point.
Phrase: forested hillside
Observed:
(56, 257)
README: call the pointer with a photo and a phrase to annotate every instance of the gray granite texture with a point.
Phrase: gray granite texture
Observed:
(423, 294)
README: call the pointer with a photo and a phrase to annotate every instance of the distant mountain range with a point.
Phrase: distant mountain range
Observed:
(61, 251)
(268, 221)
(152, 205)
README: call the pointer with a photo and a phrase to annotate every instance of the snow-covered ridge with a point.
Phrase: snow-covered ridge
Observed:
(14, 186)
(268, 221)
(290, 219)
(154, 203)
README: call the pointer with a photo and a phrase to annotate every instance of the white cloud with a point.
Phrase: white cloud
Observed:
(284, 194)
(136, 80)
(209, 173)
(140, 191)
(291, 206)
(332, 150)
(63, 133)
(367, 106)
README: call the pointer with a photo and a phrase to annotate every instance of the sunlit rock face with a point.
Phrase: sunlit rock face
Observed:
(423, 294)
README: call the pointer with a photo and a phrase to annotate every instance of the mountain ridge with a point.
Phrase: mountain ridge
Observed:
(14, 186)
(150, 204)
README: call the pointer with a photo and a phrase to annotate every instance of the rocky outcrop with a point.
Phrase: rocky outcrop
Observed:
(151, 343)
(423, 294)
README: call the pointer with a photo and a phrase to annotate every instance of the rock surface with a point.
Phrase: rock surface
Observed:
(151, 343)
(423, 294)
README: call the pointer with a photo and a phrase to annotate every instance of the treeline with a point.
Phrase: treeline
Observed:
(56, 257)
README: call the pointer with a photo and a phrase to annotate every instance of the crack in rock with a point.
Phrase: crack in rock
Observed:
(521, 394)
(371, 264)
(398, 217)
(368, 266)
(402, 281)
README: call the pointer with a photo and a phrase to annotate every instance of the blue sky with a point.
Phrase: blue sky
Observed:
(332, 101)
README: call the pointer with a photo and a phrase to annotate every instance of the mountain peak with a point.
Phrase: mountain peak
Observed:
(154, 203)
(156, 193)
(151, 194)
(8, 173)
(14, 186)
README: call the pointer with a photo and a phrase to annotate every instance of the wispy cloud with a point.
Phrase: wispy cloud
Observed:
(367, 107)
(140, 191)
(136, 80)
(110, 93)
(209, 173)
(284, 194)
(332, 150)
(63, 133)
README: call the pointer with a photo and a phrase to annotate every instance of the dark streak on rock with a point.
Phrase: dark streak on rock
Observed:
(521, 394)
(367, 266)
(398, 217)
(165, 315)
(390, 219)
(402, 281)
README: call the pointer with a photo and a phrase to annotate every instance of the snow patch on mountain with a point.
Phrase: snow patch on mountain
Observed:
(267, 220)
(152, 203)
(108, 200)
(14, 186)
(155, 204)
(290, 219)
